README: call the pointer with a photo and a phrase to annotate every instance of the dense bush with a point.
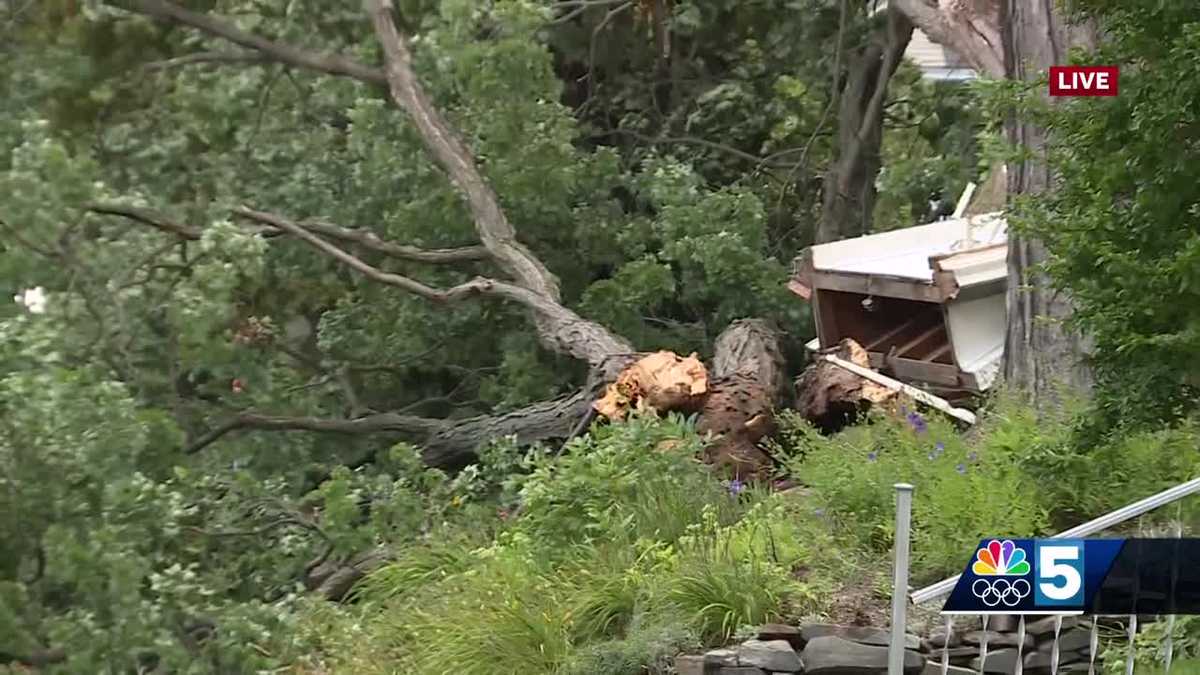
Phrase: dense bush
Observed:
(625, 551)
(1015, 474)
(965, 489)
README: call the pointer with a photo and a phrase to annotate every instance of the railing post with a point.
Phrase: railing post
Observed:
(900, 577)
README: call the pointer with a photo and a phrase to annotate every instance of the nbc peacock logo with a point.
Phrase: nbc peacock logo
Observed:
(995, 563)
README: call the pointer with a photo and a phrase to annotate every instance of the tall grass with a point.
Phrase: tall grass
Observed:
(626, 549)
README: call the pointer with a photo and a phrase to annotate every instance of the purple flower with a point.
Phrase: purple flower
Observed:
(917, 422)
(872, 456)
(937, 451)
(819, 512)
(972, 456)
(961, 468)
(736, 486)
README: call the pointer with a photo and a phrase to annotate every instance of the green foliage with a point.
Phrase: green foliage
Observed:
(1150, 647)
(965, 490)
(1121, 228)
(644, 649)
(625, 551)
(930, 151)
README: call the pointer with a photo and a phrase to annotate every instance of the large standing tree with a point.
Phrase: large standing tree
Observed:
(849, 186)
(1020, 40)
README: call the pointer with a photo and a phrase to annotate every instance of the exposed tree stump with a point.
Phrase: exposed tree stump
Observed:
(662, 380)
(739, 410)
(831, 397)
(748, 379)
(736, 405)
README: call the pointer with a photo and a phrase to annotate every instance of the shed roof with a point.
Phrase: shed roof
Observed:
(969, 248)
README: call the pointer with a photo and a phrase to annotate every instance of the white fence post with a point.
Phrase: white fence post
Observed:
(900, 577)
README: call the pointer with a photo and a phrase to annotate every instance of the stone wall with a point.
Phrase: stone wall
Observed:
(964, 642)
(827, 649)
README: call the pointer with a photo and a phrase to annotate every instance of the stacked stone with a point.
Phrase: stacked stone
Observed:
(816, 649)
(1074, 643)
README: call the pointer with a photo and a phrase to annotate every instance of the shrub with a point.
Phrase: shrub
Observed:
(639, 478)
(965, 488)
(625, 549)
(649, 647)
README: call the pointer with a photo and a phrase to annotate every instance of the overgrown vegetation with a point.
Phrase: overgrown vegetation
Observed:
(626, 550)
(154, 514)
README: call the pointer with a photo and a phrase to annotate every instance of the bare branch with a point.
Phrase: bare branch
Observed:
(363, 238)
(207, 57)
(331, 64)
(560, 328)
(445, 443)
(147, 217)
(451, 153)
(369, 240)
(357, 264)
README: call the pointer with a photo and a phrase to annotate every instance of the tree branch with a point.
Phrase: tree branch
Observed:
(560, 328)
(363, 238)
(444, 443)
(375, 274)
(369, 240)
(532, 283)
(451, 153)
(973, 34)
(330, 64)
(147, 217)
(207, 57)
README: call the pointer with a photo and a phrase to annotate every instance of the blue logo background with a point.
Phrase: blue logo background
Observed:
(1059, 565)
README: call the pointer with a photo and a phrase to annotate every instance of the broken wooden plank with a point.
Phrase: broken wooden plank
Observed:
(938, 353)
(907, 347)
(918, 371)
(871, 284)
(896, 385)
(882, 340)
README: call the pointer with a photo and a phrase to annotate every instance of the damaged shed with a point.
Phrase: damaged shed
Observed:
(927, 303)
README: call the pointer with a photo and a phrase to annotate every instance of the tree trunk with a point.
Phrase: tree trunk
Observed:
(849, 184)
(1040, 355)
(1020, 39)
(747, 380)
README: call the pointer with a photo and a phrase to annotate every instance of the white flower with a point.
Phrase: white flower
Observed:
(33, 299)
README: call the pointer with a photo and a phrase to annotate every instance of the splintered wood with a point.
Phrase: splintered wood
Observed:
(830, 396)
(663, 381)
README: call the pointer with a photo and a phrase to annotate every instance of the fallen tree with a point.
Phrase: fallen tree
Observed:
(747, 366)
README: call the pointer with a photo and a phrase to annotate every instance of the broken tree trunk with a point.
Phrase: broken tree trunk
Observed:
(831, 397)
(736, 405)
(747, 379)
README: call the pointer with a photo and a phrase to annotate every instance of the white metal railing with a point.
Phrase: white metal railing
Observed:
(945, 586)
(1100, 524)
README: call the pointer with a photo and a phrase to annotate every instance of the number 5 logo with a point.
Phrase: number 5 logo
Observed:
(1059, 573)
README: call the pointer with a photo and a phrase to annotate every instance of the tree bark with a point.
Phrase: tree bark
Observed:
(849, 184)
(1020, 39)
(745, 388)
(1040, 355)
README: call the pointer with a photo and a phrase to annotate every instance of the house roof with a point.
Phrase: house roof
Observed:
(970, 249)
(935, 61)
